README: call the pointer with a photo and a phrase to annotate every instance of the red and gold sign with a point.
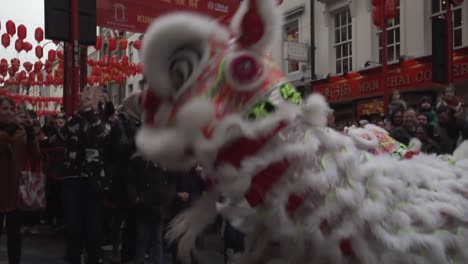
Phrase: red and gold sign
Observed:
(409, 75)
(136, 15)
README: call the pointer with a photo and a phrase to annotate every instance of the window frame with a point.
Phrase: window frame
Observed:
(348, 42)
(396, 46)
(285, 62)
(442, 11)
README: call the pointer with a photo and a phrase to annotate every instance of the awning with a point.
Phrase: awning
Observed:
(137, 15)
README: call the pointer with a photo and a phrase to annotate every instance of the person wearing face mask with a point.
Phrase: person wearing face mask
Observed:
(15, 143)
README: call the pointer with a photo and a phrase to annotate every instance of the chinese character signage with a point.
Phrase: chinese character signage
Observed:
(137, 15)
(399, 77)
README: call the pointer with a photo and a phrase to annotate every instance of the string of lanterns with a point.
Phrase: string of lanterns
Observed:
(108, 69)
(111, 68)
(39, 102)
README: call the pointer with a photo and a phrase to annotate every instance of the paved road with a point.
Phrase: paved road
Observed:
(45, 249)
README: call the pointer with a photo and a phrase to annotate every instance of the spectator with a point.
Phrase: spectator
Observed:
(410, 121)
(15, 142)
(396, 103)
(121, 148)
(189, 187)
(451, 129)
(381, 123)
(449, 99)
(425, 107)
(424, 134)
(397, 131)
(152, 192)
(85, 182)
(423, 119)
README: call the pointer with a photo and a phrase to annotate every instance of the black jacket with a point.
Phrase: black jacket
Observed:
(85, 141)
(120, 149)
(151, 188)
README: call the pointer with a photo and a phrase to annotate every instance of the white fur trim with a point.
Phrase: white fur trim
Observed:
(185, 231)
(163, 38)
(461, 153)
(165, 146)
(415, 144)
(194, 115)
(316, 110)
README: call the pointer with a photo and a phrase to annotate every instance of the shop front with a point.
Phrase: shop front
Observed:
(359, 95)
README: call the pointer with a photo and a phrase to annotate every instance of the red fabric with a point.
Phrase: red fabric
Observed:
(244, 147)
(346, 247)
(253, 27)
(411, 154)
(294, 202)
(263, 181)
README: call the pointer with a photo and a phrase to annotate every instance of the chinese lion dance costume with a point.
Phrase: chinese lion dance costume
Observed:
(301, 192)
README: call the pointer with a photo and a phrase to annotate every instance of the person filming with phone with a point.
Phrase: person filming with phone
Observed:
(86, 182)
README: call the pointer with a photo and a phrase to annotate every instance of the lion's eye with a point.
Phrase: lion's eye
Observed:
(182, 66)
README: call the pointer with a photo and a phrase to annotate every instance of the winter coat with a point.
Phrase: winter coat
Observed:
(120, 149)
(13, 155)
(86, 138)
(151, 189)
(397, 105)
(190, 183)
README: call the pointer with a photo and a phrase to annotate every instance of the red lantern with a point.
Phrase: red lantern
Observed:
(22, 32)
(58, 80)
(139, 68)
(22, 75)
(91, 62)
(391, 9)
(27, 46)
(105, 61)
(123, 43)
(39, 34)
(98, 43)
(48, 64)
(51, 56)
(19, 45)
(32, 76)
(38, 66)
(49, 70)
(28, 66)
(5, 40)
(1, 80)
(137, 44)
(60, 54)
(376, 2)
(112, 44)
(39, 52)
(114, 61)
(11, 27)
(124, 61)
(90, 80)
(377, 16)
(49, 79)
(40, 76)
(56, 42)
(96, 71)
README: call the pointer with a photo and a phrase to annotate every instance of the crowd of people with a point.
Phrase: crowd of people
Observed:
(101, 191)
(440, 124)
(98, 187)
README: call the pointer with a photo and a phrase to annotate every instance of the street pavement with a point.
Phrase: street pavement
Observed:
(49, 249)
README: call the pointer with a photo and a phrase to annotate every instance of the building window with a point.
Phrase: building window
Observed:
(291, 34)
(343, 42)
(130, 52)
(439, 9)
(393, 38)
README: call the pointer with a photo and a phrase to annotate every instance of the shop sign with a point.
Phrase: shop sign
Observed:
(420, 75)
(137, 15)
